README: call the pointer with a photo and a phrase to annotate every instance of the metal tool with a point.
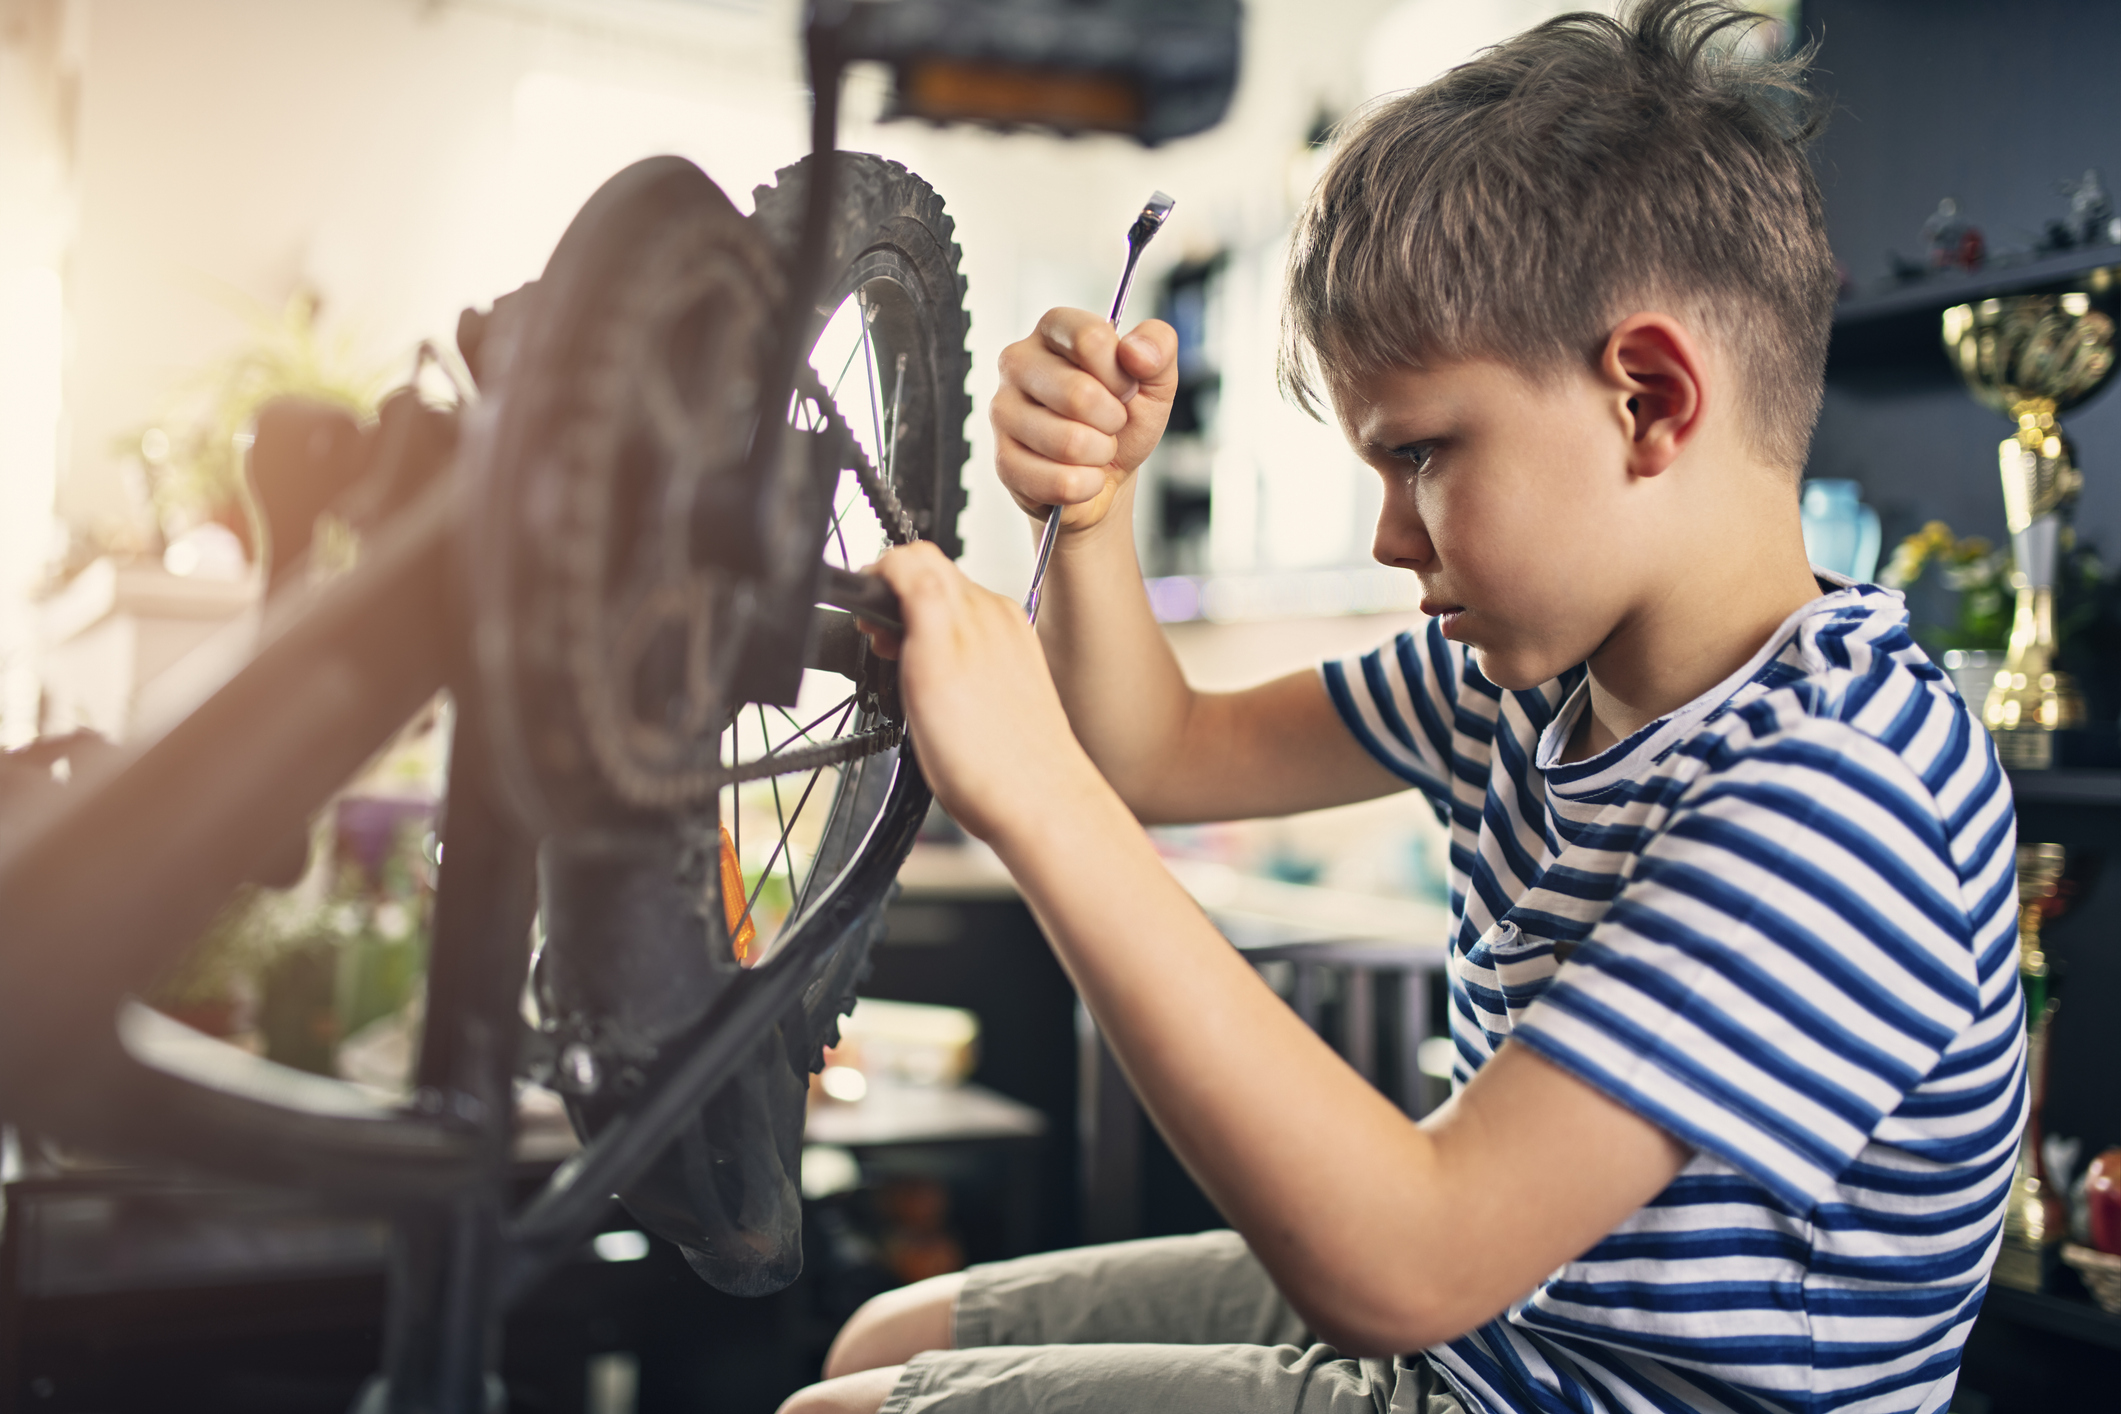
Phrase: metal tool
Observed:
(1154, 214)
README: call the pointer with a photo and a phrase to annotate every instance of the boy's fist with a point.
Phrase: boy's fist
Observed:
(994, 742)
(1079, 409)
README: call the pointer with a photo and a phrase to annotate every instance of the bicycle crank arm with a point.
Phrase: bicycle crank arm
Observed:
(863, 595)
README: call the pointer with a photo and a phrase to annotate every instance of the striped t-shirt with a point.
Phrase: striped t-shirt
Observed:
(1780, 923)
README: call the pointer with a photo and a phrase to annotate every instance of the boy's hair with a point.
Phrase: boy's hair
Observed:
(1517, 206)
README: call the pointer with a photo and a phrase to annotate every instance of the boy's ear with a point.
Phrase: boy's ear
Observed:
(1658, 378)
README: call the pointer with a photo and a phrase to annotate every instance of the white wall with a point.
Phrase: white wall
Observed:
(402, 158)
(35, 65)
(407, 157)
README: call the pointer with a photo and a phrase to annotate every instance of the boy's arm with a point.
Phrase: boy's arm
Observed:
(1078, 411)
(1387, 1236)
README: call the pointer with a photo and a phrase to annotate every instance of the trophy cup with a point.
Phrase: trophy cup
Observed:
(2035, 1219)
(2031, 357)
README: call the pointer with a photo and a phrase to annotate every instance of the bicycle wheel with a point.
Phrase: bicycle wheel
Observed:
(635, 589)
(616, 636)
(890, 250)
(887, 358)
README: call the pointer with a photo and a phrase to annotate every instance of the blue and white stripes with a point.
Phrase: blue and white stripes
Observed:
(1781, 923)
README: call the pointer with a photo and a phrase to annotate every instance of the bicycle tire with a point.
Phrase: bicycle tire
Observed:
(890, 238)
(624, 382)
(623, 1000)
(877, 804)
(889, 226)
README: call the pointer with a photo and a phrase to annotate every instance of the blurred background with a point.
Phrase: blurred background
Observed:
(208, 203)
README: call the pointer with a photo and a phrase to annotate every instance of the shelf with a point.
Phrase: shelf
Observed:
(2065, 787)
(894, 1113)
(1940, 292)
(1894, 329)
(2078, 1320)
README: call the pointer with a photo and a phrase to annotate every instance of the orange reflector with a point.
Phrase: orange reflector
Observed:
(740, 937)
(951, 90)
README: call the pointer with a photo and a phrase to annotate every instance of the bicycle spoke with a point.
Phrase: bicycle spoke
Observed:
(804, 732)
(788, 859)
(890, 448)
(850, 359)
(846, 560)
(861, 348)
(803, 897)
(773, 859)
(791, 742)
(736, 805)
(876, 410)
(780, 817)
(811, 880)
(800, 730)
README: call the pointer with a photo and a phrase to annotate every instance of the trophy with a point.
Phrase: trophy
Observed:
(2035, 1219)
(2031, 357)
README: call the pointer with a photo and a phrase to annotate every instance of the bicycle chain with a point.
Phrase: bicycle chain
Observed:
(899, 528)
(810, 758)
(881, 495)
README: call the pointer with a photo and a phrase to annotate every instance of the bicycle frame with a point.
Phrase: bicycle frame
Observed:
(183, 820)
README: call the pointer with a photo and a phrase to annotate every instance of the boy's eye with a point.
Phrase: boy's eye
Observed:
(1415, 455)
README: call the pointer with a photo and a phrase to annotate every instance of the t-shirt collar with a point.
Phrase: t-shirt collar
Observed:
(1625, 760)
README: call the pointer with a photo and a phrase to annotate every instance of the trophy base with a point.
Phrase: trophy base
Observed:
(2022, 1267)
(2030, 749)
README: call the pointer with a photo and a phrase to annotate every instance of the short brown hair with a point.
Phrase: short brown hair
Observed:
(1510, 208)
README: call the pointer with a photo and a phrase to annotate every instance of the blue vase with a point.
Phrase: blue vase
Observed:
(1840, 532)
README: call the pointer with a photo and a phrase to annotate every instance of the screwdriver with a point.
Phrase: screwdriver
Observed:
(1154, 214)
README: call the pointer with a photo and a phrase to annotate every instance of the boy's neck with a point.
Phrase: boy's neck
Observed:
(1689, 636)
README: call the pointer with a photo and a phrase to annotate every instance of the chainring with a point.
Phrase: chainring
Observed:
(611, 632)
(636, 580)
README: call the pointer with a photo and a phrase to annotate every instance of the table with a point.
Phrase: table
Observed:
(1326, 938)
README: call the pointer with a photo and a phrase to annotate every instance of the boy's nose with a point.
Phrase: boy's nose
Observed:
(1402, 541)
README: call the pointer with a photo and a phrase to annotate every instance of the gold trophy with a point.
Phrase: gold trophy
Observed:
(2034, 1218)
(2031, 357)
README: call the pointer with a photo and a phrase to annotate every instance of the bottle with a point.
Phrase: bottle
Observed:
(1841, 533)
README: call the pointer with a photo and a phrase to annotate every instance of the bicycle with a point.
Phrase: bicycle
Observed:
(630, 563)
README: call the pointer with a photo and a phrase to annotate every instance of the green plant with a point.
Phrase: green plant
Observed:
(2087, 614)
(194, 458)
(1974, 570)
(233, 950)
(342, 949)
(378, 923)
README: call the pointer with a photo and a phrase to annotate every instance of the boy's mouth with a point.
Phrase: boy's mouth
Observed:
(1445, 614)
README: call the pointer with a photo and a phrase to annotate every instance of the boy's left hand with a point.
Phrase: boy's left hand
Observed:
(993, 740)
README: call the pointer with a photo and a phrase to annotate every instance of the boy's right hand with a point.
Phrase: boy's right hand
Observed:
(1079, 409)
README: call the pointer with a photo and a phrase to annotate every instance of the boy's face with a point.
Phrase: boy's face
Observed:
(1512, 502)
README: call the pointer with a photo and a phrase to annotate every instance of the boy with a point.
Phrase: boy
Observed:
(1731, 861)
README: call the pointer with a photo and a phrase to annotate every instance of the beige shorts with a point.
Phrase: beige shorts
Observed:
(1172, 1325)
